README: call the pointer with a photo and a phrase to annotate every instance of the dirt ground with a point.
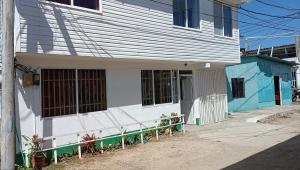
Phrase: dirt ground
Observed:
(232, 144)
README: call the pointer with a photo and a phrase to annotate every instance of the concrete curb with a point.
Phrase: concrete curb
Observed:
(265, 117)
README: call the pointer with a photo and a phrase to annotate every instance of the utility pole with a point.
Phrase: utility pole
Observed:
(298, 47)
(246, 45)
(8, 131)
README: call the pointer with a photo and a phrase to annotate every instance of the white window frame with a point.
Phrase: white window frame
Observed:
(186, 25)
(72, 6)
(223, 18)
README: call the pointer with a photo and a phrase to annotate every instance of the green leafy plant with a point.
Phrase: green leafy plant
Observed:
(163, 122)
(132, 140)
(166, 122)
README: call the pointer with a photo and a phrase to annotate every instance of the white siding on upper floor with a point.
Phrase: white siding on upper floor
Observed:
(139, 29)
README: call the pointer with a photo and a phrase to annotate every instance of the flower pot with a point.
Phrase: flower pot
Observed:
(38, 160)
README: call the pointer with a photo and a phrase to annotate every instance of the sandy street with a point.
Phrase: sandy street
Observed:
(233, 144)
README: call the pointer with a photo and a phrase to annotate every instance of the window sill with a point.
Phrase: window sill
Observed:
(158, 105)
(238, 98)
(70, 115)
(187, 28)
(93, 11)
(57, 117)
(224, 37)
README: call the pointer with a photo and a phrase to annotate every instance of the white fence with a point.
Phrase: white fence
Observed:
(101, 138)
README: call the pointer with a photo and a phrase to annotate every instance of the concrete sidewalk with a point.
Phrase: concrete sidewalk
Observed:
(256, 115)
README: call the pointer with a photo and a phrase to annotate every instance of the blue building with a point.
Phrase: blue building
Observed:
(259, 81)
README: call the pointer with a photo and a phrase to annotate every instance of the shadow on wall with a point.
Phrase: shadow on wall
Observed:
(285, 155)
(42, 31)
(27, 110)
(37, 25)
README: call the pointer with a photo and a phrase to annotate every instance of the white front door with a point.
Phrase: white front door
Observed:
(186, 85)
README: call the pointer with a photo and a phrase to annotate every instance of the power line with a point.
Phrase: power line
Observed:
(259, 13)
(273, 36)
(262, 21)
(269, 15)
(260, 25)
(278, 6)
(254, 29)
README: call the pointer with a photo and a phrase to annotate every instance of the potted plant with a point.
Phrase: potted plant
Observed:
(35, 151)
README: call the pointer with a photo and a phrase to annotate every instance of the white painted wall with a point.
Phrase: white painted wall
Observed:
(123, 96)
(136, 29)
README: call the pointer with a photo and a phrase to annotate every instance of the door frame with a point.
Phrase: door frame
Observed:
(193, 95)
(279, 86)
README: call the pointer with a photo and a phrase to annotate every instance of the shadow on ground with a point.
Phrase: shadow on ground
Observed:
(285, 155)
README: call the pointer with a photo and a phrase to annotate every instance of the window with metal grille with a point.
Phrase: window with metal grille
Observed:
(175, 86)
(147, 87)
(58, 92)
(91, 90)
(162, 86)
(238, 87)
(161, 83)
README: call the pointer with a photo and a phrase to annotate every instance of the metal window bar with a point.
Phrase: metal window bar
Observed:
(147, 87)
(92, 93)
(55, 93)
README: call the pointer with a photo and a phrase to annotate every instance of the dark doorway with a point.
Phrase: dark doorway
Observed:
(277, 90)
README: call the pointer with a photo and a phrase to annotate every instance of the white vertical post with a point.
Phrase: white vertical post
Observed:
(183, 124)
(258, 51)
(156, 130)
(246, 45)
(142, 137)
(186, 14)
(122, 134)
(55, 151)
(26, 156)
(272, 50)
(101, 142)
(170, 126)
(79, 147)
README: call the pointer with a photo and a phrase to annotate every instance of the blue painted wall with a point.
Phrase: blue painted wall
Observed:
(259, 83)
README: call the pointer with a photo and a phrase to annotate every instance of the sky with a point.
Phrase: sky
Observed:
(281, 26)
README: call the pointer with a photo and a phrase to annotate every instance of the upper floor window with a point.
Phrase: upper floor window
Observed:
(222, 20)
(90, 4)
(186, 13)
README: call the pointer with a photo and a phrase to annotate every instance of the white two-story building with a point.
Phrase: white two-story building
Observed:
(100, 64)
